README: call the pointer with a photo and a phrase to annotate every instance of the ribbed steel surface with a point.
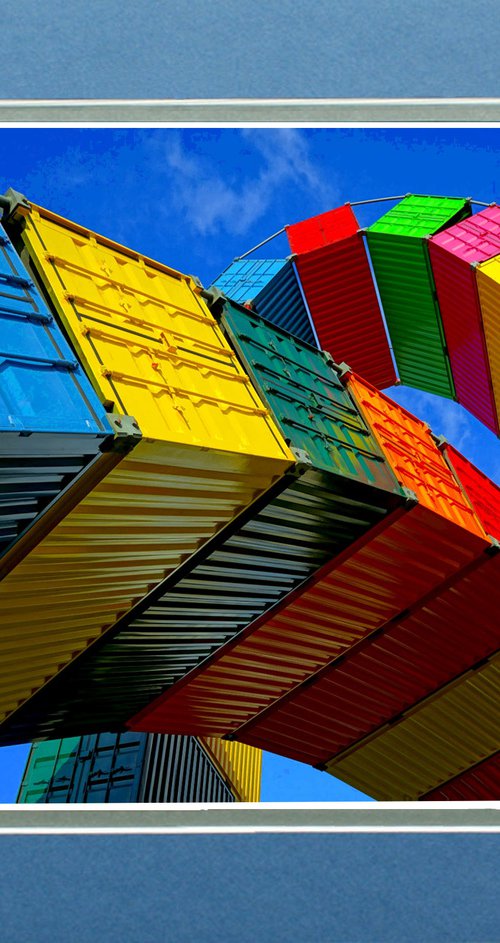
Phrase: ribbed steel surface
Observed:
(483, 494)
(342, 488)
(453, 253)
(315, 518)
(479, 784)
(437, 740)
(123, 767)
(148, 515)
(379, 679)
(181, 769)
(413, 455)
(373, 581)
(273, 288)
(239, 764)
(341, 296)
(488, 285)
(147, 340)
(400, 259)
(309, 403)
(51, 421)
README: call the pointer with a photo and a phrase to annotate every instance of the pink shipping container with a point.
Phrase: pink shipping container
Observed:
(454, 254)
(333, 267)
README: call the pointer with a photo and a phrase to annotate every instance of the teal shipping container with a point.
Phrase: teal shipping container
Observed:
(126, 767)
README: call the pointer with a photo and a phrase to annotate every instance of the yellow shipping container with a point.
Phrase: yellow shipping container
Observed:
(152, 350)
(434, 741)
(240, 764)
(488, 286)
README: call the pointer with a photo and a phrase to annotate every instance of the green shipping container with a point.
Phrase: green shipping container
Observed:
(400, 258)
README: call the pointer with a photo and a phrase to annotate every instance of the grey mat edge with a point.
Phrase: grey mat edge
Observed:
(252, 817)
(315, 111)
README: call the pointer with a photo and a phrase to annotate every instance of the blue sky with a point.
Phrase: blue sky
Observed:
(196, 198)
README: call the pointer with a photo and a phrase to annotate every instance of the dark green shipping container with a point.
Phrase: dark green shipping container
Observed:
(398, 248)
(127, 767)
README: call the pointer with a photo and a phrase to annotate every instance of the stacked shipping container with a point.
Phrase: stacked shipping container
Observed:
(340, 488)
(258, 544)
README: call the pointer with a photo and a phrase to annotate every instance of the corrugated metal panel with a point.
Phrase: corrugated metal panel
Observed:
(483, 494)
(273, 288)
(335, 275)
(148, 341)
(380, 678)
(479, 784)
(308, 400)
(414, 456)
(452, 730)
(400, 259)
(373, 581)
(212, 446)
(179, 769)
(51, 421)
(122, 767)
(488, 286)
(241, 764)
(314, 626)
(453, 255)
(311, 516)
(175, 628)
(151, 512)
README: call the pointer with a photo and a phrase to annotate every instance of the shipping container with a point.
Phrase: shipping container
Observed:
(53, 427)
(488, 286)
(239, 764)
(441, 738)
(480, 783)
(123, 767)
(375, 580)
(454, 254)
(336, 279)
(209, 447)
(340, 488)
(386, 674)
(274, 290)
(398, 247)
(483, 494)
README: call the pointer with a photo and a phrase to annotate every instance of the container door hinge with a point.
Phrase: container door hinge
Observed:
(16, 281)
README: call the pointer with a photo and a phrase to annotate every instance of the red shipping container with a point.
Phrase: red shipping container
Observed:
(480, 783)
(393, 566)
(336, 278)
(380, 678)
(483, 494)
(453, 254)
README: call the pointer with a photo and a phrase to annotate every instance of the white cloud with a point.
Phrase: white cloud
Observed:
(212, 201)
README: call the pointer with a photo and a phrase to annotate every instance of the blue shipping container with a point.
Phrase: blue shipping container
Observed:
(275, 291)
(52, 423)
